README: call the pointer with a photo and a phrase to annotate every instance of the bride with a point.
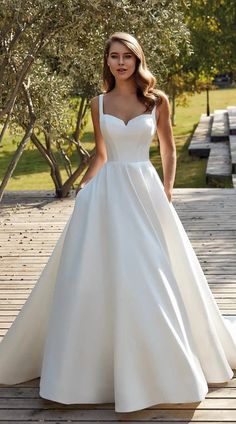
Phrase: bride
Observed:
(122, 311)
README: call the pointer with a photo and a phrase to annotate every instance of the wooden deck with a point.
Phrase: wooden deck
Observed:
(31, 223)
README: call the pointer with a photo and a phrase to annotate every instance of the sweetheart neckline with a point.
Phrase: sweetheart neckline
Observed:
(132, 119)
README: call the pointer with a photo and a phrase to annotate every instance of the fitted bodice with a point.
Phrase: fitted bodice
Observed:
(127, 142)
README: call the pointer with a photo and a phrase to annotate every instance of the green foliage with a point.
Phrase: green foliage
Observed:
(211, 24)
(185, 42)
(55, 49)
(33, 172)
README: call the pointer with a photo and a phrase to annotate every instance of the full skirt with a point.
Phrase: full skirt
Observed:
(122, 311)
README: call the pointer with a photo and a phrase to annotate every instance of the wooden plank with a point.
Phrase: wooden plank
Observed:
(21, 392)
(220, 126)
(200, 142)
(219, 163)
(105, 412)
(232, 146)
(232, 119)
(34, 402)
(234, 180)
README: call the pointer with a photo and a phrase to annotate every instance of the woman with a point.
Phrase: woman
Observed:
(126, 79)
(122, 311)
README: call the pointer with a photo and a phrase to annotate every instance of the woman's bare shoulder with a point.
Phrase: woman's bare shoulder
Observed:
(94, 102)
(163, 104)
(163, 96)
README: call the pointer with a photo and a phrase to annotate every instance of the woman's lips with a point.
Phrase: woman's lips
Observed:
(121, 70)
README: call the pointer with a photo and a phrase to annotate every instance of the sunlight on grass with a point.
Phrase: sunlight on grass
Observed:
(33, 173)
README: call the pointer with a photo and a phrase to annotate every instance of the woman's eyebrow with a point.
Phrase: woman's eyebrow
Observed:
(118, 53)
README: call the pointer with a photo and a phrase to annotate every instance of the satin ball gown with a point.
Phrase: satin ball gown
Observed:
(122, 311)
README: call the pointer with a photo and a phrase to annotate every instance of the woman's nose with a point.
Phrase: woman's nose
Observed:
(121, 61)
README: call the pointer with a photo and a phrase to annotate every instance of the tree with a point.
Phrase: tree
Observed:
(41, 34)
(211, 24)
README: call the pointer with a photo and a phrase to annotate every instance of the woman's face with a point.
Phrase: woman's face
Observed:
(121, 61)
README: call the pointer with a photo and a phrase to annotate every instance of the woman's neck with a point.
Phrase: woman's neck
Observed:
(125, 88)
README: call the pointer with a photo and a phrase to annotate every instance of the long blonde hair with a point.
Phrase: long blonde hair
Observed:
(144, 79)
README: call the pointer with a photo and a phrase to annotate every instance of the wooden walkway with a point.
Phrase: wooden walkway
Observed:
(31, 223)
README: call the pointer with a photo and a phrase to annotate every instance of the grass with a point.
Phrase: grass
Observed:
(190, 171)
(33, 173)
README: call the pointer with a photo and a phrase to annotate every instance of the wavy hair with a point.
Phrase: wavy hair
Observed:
(145, 80)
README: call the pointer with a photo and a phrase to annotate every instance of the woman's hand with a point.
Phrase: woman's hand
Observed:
(78, 189)
(167, 145)
(82, 184)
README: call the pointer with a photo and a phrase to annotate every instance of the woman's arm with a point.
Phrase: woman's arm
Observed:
(100, 156)
(167, 145)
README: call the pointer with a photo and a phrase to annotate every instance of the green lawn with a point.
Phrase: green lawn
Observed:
(33, 173)
(190, 171)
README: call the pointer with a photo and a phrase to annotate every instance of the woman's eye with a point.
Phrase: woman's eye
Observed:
(128, 56)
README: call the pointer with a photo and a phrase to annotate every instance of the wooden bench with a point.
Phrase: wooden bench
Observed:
(219, 163)
(232, 119)
(234, 180)
(232, 146)
(215, 138)
(220, 126)
(200, 142)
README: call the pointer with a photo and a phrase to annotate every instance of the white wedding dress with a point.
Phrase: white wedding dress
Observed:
(122, 311)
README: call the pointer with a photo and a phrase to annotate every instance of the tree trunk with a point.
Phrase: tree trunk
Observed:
(11, 102)
(69, 182)
(8, 51)
(79, 119)
(173, 108)
(23, 143)
(208, 102)
(12, 99)
(17, 155)
(53, 173)
(30, 58)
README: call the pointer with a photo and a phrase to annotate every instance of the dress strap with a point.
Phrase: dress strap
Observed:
(154, 113)
(154, 109)
(100, 97)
